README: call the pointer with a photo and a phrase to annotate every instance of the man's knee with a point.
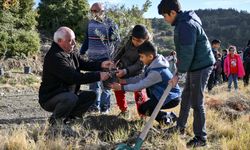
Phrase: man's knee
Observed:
(92, 95)
(69, 99)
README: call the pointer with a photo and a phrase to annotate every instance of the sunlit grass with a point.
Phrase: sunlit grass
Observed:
(223, 132)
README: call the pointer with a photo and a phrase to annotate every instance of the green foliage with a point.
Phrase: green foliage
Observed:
(70, 13)
(126, 18)
(228, 25)
(18, 35)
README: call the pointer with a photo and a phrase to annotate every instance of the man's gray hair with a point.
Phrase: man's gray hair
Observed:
(61, 33)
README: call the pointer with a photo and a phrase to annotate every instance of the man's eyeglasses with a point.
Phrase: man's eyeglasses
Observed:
(95, 11)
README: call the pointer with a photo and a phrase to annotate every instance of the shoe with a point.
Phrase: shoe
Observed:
(196, 142)
(105, 112)
(124, 114)
(169, 119)
(93, 109)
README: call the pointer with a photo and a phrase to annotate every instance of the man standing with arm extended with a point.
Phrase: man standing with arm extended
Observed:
(195, 57)
(61, 79)
(100, 40)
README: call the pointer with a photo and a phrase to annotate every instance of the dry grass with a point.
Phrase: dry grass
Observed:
(105, 132)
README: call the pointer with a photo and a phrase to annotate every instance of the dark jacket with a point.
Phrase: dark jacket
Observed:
(192, 45)
(129, 59)
(61, 73)
(246, 55)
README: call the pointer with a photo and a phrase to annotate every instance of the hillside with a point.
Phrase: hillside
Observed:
(228, 25)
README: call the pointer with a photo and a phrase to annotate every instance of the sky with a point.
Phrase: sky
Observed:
(185, 5)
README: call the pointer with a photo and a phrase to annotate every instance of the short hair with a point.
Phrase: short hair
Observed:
(216, 42)
(61, 33)
(147, 48)
(166, 6)
(173, 52)
(225, 50)
(232, 47)
(140, 31)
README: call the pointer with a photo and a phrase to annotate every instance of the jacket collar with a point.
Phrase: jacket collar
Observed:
(176, 19)
(56, 47)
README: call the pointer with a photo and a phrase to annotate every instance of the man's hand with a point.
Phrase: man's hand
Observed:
(116, 86)
(107, 64)
(120, 73)
(104, 76)
(174, 81)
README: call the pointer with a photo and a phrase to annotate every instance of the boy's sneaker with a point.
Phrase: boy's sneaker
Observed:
(169, 118)
(124, 114)
(196, 142)
(105, 112)
(93, 109)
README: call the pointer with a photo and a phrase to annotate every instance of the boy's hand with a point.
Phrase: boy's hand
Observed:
(107, 64)
(104, 76)
(120, 73)
(174, 81)
(116, 86)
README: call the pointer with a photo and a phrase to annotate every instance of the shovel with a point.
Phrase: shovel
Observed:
(148, 125)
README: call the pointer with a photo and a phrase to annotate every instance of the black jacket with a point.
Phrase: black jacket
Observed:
(61, 73)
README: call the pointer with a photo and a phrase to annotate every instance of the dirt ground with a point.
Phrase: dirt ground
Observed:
(21, 106)
(17, 106)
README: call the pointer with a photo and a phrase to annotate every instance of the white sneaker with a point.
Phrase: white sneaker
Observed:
(105, 112)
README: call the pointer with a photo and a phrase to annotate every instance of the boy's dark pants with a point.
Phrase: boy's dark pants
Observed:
(211, 80)
(69, 104)
(192, 96)
(247, 71)
(148, 107)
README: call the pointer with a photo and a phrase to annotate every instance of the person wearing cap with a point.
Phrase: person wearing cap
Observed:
(101, 38)
(129, 65)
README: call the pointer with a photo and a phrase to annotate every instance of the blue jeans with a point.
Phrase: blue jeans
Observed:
(233, 78)
(103, 95)
(192, 96)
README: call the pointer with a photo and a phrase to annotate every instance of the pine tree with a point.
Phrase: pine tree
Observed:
(18, 35)
(70, 13)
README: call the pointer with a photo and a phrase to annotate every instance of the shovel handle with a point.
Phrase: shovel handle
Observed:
(155, 112)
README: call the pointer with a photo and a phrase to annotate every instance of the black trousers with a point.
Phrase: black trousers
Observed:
(247, 72)
(148, 107)
(211, 81)
(69, 104)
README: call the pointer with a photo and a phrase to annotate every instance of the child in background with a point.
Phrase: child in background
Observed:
(212, 78)
(224, 55)
(155, 78)
(233, 68)
(218, 69)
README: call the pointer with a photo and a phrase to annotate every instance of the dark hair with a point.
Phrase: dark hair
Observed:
(140, 31)
(147, 48)
(248, 43)
(172, 52)
(225, 50)
(216, 42)
(166, 6)
(232, 47)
